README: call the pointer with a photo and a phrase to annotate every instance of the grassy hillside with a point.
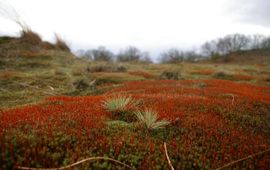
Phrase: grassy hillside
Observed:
(29, 72)
(258, 56)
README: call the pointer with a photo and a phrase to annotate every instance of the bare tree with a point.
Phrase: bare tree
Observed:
(237, 42)
(173, 55)
(191, 55)
(223, 46)
(209, 48)
(266, 43)
(227, 44)
(130, 54)
(100, 54)
(233, 43)
(256, 41)
(145, 58)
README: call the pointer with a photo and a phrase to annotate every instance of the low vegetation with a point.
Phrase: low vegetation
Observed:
(61, 44)
(106, 67)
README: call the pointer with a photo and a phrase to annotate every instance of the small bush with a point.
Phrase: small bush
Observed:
(222, 75)
(121, 69)
(84, 85)
(106, 68)
(149, 119)
(170, 75)
(215, 56)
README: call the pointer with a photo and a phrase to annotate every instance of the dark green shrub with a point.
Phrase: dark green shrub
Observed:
(222, 75)
(170, 75)
(106, 68)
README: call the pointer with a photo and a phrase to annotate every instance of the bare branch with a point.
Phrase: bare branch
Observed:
(10, 13)
(167, 156)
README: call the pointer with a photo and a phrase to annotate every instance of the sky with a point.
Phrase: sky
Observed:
(150, 25)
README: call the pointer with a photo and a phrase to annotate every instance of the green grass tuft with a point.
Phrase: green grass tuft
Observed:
(119, 103)
(121, 107)
(149, 119)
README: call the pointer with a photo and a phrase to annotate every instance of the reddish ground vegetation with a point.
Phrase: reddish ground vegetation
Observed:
(242, 77)
(214, 122)
(141, 73)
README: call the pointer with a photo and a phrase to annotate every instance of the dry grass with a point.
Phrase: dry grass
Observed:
(141, 73)
(61, 44)
(29, 36)
(150, 120)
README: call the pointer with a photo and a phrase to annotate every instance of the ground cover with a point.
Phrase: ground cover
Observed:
(211, 123)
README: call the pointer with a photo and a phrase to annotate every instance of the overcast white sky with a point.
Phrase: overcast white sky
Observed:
(152, 25)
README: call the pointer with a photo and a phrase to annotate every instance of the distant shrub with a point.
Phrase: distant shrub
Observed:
(149, 120)
(121, 69)
(106, 68)
(84, 85)
(222, 75)
(215, 56)
(170, 75)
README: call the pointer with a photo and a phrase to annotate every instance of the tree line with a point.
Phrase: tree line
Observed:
(220, 47)
(233, 43)
(130, 54)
